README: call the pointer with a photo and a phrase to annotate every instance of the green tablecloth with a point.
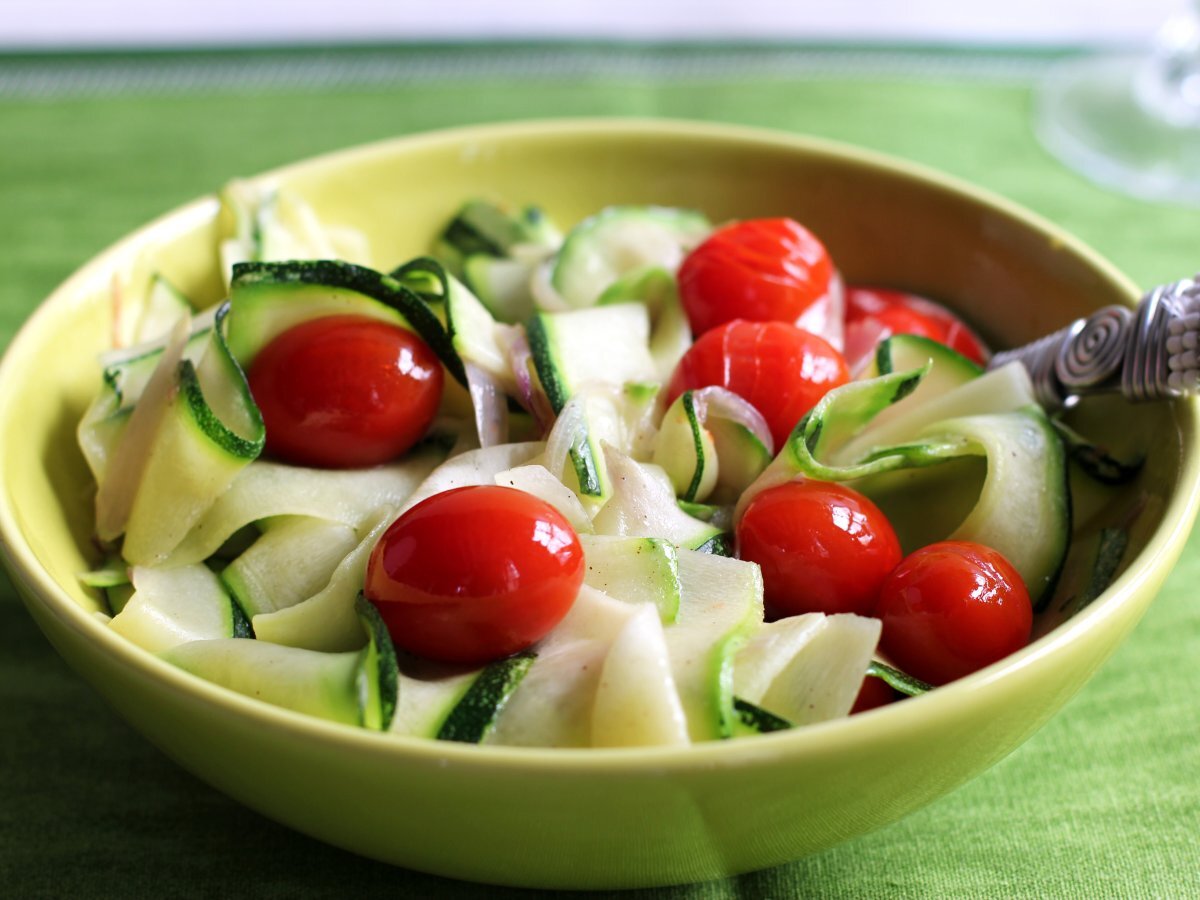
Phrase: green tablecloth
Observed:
(1104, 801)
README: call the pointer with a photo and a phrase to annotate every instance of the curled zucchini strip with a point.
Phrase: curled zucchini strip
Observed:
(356, 687)
(268, 298)
(194, 428)
(1023, 509)
(712, 442)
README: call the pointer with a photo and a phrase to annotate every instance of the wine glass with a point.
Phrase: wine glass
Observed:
(1132, 122)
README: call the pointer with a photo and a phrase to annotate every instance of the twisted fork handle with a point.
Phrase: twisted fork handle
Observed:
(1150, 353)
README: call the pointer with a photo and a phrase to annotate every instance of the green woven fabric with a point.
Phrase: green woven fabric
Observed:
(1104, 801)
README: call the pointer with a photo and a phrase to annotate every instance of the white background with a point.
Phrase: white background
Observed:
(60, 24)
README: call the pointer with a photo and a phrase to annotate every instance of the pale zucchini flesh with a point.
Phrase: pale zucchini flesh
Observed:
(643, 505)
(328, 620)
(618, 240)
(637, 703)
(289, 563)
(722, 601)
(821, 680)
(554, 703)
(634, 569)
(200, 430)
(353, 688)
(169, 607)
(268, 489)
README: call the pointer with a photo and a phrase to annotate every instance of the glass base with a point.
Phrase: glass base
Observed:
(1089, 115)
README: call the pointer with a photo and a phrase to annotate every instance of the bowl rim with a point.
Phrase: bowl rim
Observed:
(834, 737)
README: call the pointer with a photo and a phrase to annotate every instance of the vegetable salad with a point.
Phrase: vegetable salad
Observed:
(646, 482)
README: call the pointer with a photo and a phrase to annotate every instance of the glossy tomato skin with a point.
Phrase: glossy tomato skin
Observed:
(873, 314)
(764, 270)
(952, 608)
(779, 369)
(345, 391)
(822, 547)
(475, 574)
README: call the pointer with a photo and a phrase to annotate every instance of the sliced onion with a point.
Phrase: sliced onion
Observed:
(490, 404)
(564, 435)
(201, 321)
(545, 295)
(826, 316)
(127, 464)
(530, 394)
(862, 339)
(724, 404)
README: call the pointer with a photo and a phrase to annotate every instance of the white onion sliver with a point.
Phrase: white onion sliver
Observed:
(490, 404)
(564, 435)
(545, 295)
(724, 404)
(825, 316)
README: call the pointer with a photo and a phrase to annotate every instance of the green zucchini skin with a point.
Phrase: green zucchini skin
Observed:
(483, 228)
(1095, 461)
(904, 352)
(753, 719)
(895, 679)
(541, 348)
(472, 718)
(249, 277)
(1092, 564)
(479, 228)
(378, 678)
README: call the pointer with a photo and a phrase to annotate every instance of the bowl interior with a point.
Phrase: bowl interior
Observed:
(1011, 275)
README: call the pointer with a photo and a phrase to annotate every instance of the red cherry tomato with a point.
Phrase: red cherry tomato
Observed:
(765, 270)
(475, 574)
(345, 391)
(951, 608)
(875, 692)
(822, 547)
(779, 369)
(873, 315)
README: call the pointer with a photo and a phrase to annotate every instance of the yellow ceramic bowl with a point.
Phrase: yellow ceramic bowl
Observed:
(605, 817)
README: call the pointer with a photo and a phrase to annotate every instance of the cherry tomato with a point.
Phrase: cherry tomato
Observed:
(875, 692)
(765, 270)
(475, 574)
(873, 315)
(779, 369)
(951, 608)
(822, 547)
(345, 391)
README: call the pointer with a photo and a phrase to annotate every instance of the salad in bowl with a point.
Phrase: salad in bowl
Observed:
(648, 481)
